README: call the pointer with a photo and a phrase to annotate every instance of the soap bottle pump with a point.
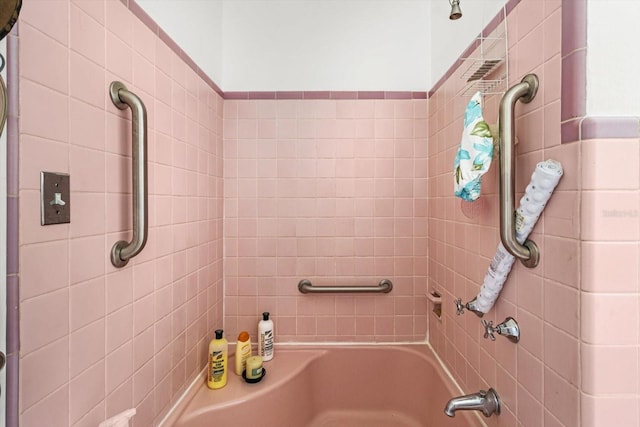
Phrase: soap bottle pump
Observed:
(265, 332)
(218, 355)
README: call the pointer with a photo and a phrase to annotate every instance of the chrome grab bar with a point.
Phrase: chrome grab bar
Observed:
(524, 91)
(305, 287)
(123, 251)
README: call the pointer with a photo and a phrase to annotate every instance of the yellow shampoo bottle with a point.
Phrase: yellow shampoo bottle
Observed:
(243, 351)
(218, 355)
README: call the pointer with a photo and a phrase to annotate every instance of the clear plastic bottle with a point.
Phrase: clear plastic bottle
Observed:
(218, 357)
(243, 351)
(266, 337)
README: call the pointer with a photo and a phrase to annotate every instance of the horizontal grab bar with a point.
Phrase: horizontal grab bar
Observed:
(524, 91)
(305, 287)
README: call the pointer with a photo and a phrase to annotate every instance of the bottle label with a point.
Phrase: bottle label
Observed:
(245, 353)
(216, 366)
(496, 261)
(519, 223)
(266, 343)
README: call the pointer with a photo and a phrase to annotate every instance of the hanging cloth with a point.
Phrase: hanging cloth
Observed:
(474, 155)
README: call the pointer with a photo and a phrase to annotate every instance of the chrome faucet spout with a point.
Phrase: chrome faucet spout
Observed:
(486, 402)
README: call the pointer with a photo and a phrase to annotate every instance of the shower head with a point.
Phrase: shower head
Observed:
(456, 12)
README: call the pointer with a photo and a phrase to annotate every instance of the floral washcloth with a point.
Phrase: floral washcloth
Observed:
(474, 155)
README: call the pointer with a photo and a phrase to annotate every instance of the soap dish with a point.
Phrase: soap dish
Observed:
(254, 380)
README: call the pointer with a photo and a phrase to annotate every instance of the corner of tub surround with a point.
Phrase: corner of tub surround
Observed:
(150, 23)
(300, 369)
(573, 52)
(287, 364)
(586, 128)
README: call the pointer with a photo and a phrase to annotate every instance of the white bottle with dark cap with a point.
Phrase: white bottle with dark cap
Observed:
(265, 334)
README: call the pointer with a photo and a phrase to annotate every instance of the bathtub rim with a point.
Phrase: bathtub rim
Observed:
(185, 398)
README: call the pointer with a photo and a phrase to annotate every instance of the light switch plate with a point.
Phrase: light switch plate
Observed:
(55, 200)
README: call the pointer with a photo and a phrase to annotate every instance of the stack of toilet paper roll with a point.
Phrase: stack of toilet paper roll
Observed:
(120, 420)
(544, 180)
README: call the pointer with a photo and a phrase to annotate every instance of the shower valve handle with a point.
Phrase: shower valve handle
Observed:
(489, 329)
(459, 306)
(509, 329)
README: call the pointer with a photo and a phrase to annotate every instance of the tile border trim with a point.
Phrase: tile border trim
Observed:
(13, 244)
(335, 95)
(574, 70)
(492, 25)
(609, 127)
(144, 17)
(575, 125)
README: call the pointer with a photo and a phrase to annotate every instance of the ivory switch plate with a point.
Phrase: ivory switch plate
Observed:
(55, 200)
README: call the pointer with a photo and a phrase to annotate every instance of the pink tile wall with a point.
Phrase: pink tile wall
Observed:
(96, 340)
(334, 191)
(610, 285)
(539, 378)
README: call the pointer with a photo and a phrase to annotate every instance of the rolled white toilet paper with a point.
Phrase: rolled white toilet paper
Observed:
(544, 180)
(120, 420)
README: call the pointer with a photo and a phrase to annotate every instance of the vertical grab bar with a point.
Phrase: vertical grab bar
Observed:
(524, 91)
(122, 251)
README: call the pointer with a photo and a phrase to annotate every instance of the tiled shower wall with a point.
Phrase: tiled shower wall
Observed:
(610, 205)
(96, 340)
(334, 191)
(538, 379)
(609, 297)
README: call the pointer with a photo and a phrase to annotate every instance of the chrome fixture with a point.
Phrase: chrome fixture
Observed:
(524, 91)
(459, 306)
(456, 12)
(486, 402)
(509, 328)
(123, 251)
(306, 287)
(471, 306)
